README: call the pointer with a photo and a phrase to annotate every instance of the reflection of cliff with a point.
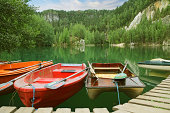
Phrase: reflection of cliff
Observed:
(166, 49)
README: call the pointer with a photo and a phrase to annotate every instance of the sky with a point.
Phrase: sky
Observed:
(69, 5)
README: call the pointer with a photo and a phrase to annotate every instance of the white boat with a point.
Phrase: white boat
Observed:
(156, 64)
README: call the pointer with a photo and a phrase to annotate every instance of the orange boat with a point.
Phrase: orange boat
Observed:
(13, 70)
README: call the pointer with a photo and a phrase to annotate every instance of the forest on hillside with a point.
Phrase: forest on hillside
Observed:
(22, 26)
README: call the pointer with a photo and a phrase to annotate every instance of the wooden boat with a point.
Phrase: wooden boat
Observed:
(156, 64)
(53, 85)
(105, 80)
(13, 70)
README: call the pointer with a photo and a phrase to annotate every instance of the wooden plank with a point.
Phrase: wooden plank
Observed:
(121, 111)
(161, 88)
(44, 110)
(150, 103)
(8, 109)
(25, 110)
(82, 110)
(135, 108)
(167, 79)
(63, 110)
(153, 98)
(165, 83)
(116, 107)
(109, 68)
(160, 91)
(165, 86)
(157, 95)
(100, 110)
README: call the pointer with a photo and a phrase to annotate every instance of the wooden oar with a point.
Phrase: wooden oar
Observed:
(9, 62)
(60, 83)
(28, 67)
(121, 75)
(92, 70)
(5, 85)
(126, 75)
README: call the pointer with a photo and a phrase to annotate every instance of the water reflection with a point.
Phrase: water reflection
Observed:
(92, 54)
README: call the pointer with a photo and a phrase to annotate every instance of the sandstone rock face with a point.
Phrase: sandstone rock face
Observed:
(135, 21)
(81, 42)
(166, 19)
(149, 11)
(166, 42)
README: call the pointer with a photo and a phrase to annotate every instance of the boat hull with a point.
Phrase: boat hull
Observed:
(131, 92)
(104, 80)
(46, 97)
(8, 75)
(50, 97)
(4, 79)
(155, 67)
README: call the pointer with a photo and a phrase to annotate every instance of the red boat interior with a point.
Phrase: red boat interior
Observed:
(55, 73)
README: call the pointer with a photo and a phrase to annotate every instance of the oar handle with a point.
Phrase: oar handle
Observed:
(50, 85)
(91, 68)
(124, 67)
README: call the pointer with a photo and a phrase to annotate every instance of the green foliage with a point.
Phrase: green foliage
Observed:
(14, 16)
(89, 37)
(161, 14)
(99, 38)
(45, 31)
(64, 37)
(146, 32)
(20, 26)
(78, 31)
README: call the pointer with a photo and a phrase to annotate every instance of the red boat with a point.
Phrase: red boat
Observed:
(14, 70)
(52, 85)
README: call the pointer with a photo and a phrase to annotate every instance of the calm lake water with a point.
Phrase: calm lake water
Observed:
(93, 54)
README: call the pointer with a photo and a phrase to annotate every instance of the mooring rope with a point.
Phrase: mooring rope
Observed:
(33, 98)
(117, 91)
(11, 102)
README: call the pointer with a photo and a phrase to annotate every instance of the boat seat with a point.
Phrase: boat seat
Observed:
(47, 80)
(68, 71)
(106, 68)
(62, 73)
(112, 76)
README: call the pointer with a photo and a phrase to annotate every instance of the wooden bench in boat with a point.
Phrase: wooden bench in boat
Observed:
(106, 68)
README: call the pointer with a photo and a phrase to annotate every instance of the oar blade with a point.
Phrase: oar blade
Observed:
(55, 86)
(6, 85)
(121, 76)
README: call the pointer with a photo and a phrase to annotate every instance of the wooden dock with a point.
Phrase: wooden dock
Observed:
(156, 100)
(12, 109)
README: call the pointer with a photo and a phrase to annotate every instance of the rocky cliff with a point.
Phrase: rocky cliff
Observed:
(149, 11)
